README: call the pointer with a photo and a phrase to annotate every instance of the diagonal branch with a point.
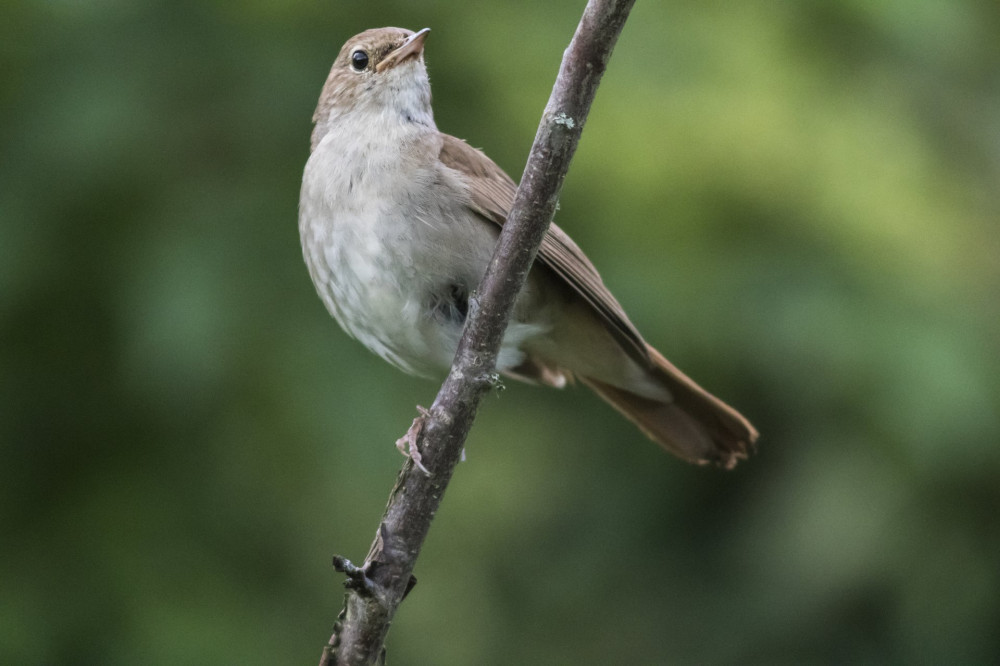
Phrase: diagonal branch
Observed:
(376, 589)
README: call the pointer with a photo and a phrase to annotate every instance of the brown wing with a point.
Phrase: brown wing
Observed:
(693, 424)
(492, 193)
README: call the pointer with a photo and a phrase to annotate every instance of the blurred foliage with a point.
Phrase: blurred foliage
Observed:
(797, 202)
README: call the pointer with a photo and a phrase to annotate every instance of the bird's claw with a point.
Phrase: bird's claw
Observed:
(496, 382)
(407, 444)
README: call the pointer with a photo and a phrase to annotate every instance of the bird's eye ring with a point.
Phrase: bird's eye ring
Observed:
(359, 60)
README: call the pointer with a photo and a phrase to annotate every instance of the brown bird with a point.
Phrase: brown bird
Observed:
(398, 222)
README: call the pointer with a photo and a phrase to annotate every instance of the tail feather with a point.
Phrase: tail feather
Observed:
(694, 425)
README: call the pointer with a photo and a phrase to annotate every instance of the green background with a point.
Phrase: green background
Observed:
(798, 202)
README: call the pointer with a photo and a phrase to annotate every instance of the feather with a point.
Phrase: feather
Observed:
(689, 421)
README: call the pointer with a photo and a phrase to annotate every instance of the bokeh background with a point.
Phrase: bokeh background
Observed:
(798, 202)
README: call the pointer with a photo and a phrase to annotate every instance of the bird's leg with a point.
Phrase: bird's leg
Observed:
(407, 444)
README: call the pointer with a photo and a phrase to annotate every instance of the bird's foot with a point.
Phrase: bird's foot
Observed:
(407, 444)
(496, 382)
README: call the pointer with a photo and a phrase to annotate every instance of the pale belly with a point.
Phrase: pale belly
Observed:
(400, 286)
(394, 254)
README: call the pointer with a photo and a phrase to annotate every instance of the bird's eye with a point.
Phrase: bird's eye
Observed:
(359, 60)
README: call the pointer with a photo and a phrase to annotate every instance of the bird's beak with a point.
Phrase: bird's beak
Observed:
(411, 48)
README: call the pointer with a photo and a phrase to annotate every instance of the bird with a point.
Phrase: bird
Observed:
(398, 222)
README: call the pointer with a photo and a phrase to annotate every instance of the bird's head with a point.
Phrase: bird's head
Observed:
(378, 72)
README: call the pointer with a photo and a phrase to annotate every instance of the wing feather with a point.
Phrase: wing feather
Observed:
(491, 194)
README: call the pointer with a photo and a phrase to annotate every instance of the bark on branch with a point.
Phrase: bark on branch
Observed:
(376, 588)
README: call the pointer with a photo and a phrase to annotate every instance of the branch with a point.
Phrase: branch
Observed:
(376, 589)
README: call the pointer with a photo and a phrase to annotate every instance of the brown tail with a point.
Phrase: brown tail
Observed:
(695, 426)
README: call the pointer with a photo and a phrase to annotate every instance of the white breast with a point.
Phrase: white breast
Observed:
(382, 225)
